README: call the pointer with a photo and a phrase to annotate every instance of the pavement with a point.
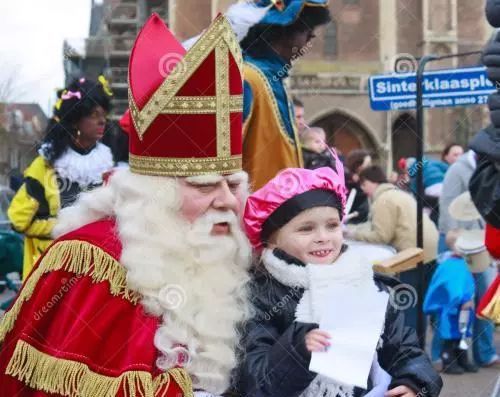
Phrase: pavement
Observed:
(481, 384)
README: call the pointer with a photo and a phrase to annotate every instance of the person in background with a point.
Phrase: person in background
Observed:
(400, 177)
(455, 183)
(450, 297)
(15, 179)
(451, 153)
(393, 216)
(393, 221)
(433, 176)
(280, 32)
(71, 159)
(484, 185)
(315, 150)
(298, 108)
(356, 161)
(117, 140)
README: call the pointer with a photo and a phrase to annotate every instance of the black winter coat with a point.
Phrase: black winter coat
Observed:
(276, 361)
(484, 184)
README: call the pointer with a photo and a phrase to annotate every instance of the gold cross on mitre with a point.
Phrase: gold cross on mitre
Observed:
(219, 37)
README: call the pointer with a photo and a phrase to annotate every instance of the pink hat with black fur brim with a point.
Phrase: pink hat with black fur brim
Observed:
(289, 193)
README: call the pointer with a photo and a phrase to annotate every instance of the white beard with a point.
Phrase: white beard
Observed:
(195, 281)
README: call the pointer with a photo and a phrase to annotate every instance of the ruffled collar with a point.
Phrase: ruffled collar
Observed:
(84, 169)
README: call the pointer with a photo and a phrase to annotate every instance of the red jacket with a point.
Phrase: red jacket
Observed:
(492, 241)
(77, 330)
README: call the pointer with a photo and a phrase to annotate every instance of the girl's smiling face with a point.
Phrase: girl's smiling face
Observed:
(313, 236)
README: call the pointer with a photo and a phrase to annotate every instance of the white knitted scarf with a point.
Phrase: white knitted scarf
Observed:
(350, 268)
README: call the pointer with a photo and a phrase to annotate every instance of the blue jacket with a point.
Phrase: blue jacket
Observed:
(451, 286)
(434, 172)
(275, 69)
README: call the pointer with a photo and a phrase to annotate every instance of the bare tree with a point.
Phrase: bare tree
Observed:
(8, 77)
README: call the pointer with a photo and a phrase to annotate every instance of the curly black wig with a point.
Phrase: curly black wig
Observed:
(260, 37)
(76, 101)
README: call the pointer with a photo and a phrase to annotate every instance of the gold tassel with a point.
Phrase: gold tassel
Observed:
(492, 309)
(77, 257)
(162, 382)
(41, 371)
(183, 379)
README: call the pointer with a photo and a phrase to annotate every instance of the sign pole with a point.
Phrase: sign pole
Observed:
(462, 87)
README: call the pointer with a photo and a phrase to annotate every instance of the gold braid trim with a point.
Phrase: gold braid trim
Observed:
(81, 258)
(492, 309)
(41, 371)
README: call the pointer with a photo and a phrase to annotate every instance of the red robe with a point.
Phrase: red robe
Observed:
(489, 307)
(77, 330)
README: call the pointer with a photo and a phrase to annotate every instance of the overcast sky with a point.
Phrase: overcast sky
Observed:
(31, 36)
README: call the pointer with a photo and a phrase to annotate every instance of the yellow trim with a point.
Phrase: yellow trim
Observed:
(41, 371)
(222, 97)
(492, 309)
(275, 106)
(200, 105)
(219, 31)
(291, 115)
(184, 166)
(245, 122)
(79, 257)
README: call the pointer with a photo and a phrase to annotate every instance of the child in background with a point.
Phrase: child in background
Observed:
(315, 150)
(296, 218)
(450, 296)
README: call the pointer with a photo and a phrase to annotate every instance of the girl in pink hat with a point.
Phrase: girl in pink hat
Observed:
(295, 224)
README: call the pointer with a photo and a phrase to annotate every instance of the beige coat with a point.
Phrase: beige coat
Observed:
(393, 221)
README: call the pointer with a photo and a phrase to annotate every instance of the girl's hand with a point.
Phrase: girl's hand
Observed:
(400, 391)
(317, 340)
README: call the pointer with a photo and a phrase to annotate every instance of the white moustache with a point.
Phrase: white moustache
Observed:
(213, 217)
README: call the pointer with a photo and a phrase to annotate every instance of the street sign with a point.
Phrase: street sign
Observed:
(441, 88)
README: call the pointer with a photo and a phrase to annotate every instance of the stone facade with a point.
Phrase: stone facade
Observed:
(366, 37)
(22, 125)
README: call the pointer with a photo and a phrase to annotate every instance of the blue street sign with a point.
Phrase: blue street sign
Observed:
(441, 88)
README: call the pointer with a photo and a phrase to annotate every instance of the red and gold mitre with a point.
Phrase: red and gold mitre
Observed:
(186, 106)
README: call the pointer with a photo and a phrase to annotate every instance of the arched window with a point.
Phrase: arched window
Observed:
(330, 42)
